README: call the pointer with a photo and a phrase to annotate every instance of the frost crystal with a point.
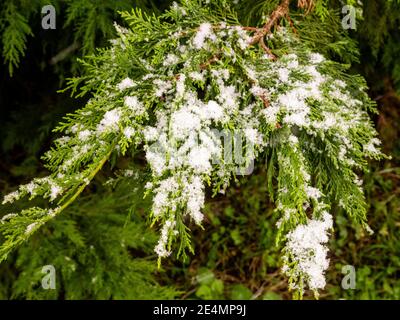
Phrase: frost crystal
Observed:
(199, 159)
(316, 58)
(84, 135)
(196, 76)
(7, 217)
(183, 122)
(125, 84)
(313, 192)
(110, 120)
(213, 110)
(170, 59)
(134, 105)
(54, 191)
(161, 248)
(204, 32)
(371, 146)
(162, 87)
(283, 74)
(306, 247)
(30, 228)
(129, 132)
(11, 197)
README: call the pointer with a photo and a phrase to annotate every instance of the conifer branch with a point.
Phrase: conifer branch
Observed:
(89, 179)
(159, 87)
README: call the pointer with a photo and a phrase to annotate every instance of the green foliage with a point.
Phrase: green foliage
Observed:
(209, 287)
(88, 19)
(237, 246)
(378, 36)
(255, 261)
(15, 30)
(89, 22)
(316, 137)
(97, 251)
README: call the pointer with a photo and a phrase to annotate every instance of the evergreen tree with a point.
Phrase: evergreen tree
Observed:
(167, 90)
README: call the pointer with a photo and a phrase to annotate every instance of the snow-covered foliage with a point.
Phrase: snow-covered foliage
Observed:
(185, 93)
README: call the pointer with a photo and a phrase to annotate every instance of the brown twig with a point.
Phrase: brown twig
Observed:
(266, 49)
(251, 28)
(292, 25)
(307, 5)
(281, 11)
(264, 100)
(213, 59)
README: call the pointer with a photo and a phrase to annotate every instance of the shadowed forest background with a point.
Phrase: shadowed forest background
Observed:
(102, 246)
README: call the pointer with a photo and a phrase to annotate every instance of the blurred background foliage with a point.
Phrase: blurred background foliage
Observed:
(102, 247)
